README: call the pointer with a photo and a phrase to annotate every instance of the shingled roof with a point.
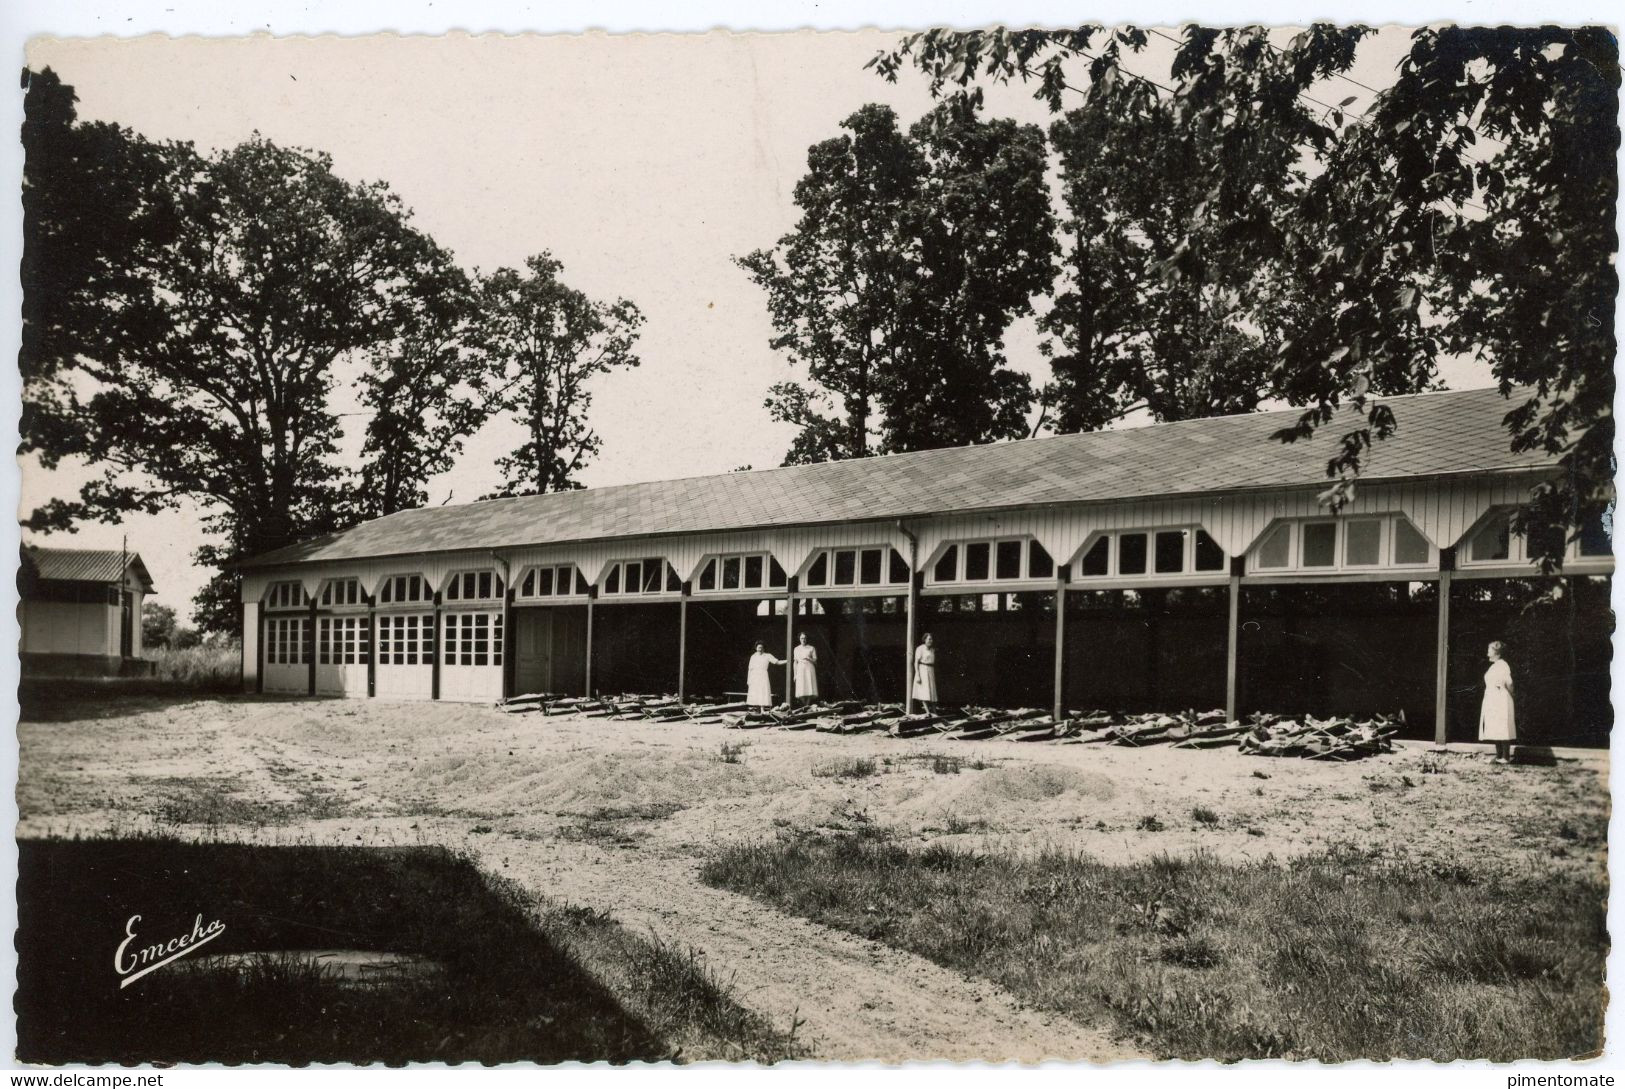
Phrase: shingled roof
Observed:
(84, 565)
(1439, 434)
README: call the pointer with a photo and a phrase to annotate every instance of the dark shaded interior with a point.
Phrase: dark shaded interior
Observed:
(995, 650)
(634, 648)
(1360, 648)
(860, 644)
(1136, 651)
(1339, 648)
(1558, 647)
(721, 636)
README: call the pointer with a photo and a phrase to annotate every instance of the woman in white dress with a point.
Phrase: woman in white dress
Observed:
(806, 670)
(759, 686)
(925, 673)
(1496, 721)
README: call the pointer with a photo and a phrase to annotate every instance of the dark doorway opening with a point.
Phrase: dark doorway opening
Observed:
(634, 648)
(993, 650)
(1137, 651)
(126, 627)
(1557, 634)
(1363, 648)
(721, 636)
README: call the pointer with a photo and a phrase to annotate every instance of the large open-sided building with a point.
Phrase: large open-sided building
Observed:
(1157, 568)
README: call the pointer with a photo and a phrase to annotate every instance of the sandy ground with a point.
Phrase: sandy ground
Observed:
(620, 816)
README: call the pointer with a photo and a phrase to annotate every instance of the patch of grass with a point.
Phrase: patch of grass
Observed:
(733, 752)
(637, 811)
(955, 825)
(1149, 823)
(1203, 815)
(618, 825)
(1189, 953)
(210, 801)
(943, 763)
(1332, 957)
(846, 767)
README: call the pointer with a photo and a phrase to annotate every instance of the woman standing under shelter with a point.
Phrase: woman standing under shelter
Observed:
(925, 673)
(1496, 721)
(805, 670)
(758, 685)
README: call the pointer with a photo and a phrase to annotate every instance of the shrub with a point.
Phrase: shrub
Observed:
(206, 667)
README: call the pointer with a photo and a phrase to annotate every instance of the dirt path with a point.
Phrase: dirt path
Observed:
(856, 999)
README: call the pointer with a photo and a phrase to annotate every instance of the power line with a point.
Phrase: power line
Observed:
(1165, 36)
(1118, 66)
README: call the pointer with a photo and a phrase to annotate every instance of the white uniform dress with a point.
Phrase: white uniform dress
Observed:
(1495, 718)
(925, 673)
(806, 660)
(759, 686)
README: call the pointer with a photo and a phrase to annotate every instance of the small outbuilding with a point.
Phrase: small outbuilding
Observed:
(80, 612)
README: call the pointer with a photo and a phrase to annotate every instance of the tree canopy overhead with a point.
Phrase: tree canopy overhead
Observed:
(1469, 209)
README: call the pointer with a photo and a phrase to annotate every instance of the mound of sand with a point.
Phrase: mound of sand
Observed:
(584, 781)
(1016, 794)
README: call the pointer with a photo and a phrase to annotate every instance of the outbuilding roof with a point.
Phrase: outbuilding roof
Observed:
(84, 565)
(1439, 434)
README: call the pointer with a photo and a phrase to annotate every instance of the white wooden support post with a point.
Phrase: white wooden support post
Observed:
(592, 596)
(682, 645)
(253, 647)
(790, 642)
(1063, 574)
(908, 642)
(1232, 635)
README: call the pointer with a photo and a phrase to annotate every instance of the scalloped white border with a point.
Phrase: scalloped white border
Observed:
(21, 20)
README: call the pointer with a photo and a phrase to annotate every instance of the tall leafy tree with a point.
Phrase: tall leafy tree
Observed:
(1172, 299)
(914, 253)
(548, 343)
(1469, 209)
(203, 354)
(839, 285)
(424, 391)
(96, 202)
(984, 232)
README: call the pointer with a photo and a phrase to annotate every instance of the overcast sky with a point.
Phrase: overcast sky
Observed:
(643, 162)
